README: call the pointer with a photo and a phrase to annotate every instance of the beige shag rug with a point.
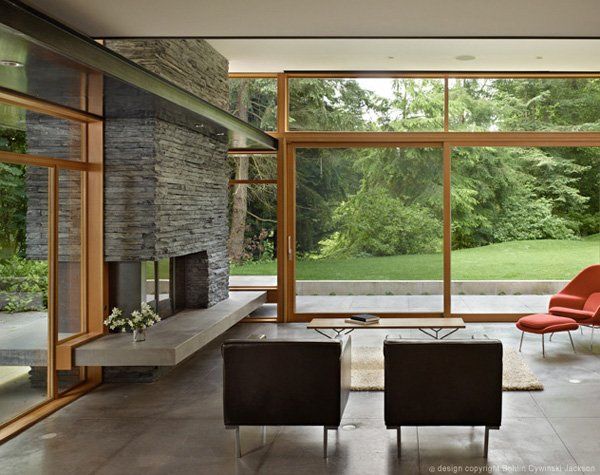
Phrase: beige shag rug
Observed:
(367, 371)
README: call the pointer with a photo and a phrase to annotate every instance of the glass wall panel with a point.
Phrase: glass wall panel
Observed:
(369, 228)
(70, 281)
(254, 100)
(23, 288)
(524, 221)
(366, 104)
(162, 280)
(253, 167)
(252, 243)
(524, 104)
(23, 131)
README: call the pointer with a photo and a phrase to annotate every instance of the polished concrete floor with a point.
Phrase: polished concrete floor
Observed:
(175, 426)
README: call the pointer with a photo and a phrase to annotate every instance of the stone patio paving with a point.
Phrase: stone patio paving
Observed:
(405, 303)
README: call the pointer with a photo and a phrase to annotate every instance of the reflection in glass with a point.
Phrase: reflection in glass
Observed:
(23, 131)
(44, 74)
(23, 287)
(524, 221)
(370, 219)
(70, 281)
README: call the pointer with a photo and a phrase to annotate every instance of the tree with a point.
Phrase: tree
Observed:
(367, 200)
(252, 100)
(13, 200)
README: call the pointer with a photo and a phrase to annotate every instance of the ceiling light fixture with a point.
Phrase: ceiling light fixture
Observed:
(465, 57)
(10, 63)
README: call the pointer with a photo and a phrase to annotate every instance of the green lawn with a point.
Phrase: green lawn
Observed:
(527, 260)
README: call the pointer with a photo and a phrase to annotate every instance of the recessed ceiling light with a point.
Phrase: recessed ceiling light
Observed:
(465, 57)
(574, 381)
(10, 63)
(349, 427)
(49, 435)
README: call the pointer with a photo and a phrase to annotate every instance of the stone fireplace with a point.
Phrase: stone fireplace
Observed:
(166, 179)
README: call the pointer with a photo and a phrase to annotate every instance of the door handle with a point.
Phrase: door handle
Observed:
(289, 248)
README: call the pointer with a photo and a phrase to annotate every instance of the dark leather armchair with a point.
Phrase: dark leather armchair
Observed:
(285, 382)
(443, 383)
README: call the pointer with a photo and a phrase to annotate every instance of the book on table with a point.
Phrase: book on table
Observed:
(363, 318)
(358, 322)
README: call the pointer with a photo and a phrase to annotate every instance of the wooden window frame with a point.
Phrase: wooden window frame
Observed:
(272, 291)
(93, 269)
(289, 141)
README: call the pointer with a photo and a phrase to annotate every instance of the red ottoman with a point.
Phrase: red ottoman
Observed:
(542, 323)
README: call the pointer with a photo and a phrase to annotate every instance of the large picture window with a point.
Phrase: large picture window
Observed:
(524, 221)
(512, 203)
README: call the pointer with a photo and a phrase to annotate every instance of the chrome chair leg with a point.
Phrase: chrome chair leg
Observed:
(551, 335)
(521, 344)
(543, 348)
(238, 445)
(325, 442)
(399, 441)
(486, 442)
(572, 344)
(264, 435)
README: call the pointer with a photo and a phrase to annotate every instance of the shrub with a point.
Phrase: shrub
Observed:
(374, 223)
(21, 279)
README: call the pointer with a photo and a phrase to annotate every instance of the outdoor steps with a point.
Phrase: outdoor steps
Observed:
(172, 340)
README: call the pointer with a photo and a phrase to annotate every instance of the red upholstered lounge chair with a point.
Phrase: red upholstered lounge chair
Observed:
(580, 299)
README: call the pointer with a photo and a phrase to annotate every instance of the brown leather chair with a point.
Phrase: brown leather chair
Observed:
(443, 383)
(285, 382)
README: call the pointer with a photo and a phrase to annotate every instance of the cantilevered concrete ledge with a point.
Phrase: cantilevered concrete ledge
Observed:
(172, 340)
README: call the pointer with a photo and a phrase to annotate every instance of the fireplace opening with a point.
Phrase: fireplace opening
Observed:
(168, 285)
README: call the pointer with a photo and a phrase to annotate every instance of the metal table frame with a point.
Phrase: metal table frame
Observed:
(431, 332)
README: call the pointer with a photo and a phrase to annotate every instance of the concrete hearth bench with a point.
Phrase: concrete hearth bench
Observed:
(172, 340)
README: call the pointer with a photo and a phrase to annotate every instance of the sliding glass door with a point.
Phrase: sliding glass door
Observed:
(369, 230)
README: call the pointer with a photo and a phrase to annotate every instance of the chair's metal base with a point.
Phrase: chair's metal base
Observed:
(325, 429)
(486, 440)
(238, 442)
(581, 325)
(543, 343)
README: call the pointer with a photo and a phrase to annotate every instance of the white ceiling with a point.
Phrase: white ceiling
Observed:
(279, 18)
(275, 55)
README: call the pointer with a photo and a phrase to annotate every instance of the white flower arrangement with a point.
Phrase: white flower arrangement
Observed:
(138, 320)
